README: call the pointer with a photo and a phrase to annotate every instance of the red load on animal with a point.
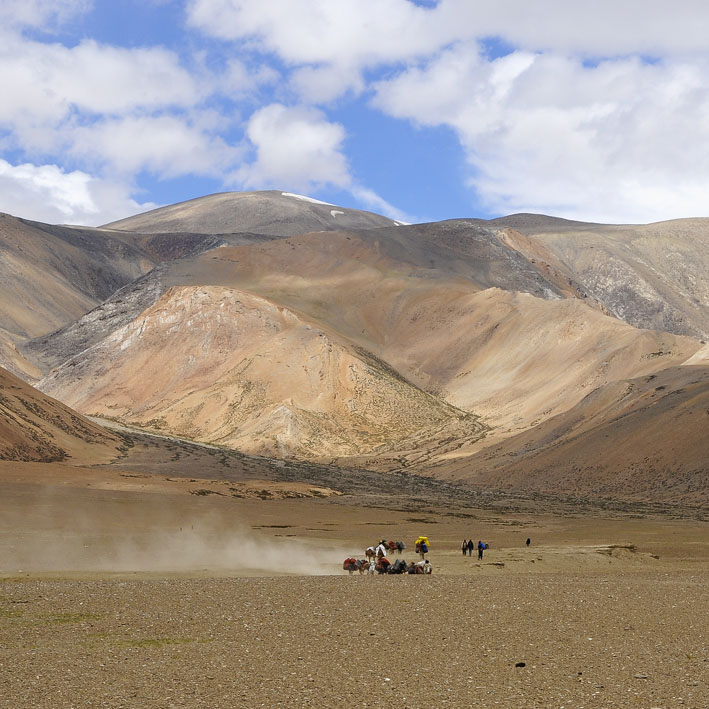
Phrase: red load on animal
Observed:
(383, 565)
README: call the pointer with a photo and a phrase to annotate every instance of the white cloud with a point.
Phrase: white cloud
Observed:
(164, 145)
(47, 193)
(240, 79)
(623, 141)
(39, 13)
(369, 32)
(602, 27)
(43, 83)
(324, 83)
(112, 110)
(617, 139)
(346, 32)
(296, 149)
(543, 129)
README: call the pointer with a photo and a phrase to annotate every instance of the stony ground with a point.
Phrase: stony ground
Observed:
(120, 589)
(630, 639)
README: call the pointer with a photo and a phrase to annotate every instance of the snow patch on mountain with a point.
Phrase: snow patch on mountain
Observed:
(303, 198)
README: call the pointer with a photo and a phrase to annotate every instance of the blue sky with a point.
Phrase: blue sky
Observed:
(418, 110)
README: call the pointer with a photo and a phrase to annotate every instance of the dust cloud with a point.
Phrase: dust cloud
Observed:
(47, 535)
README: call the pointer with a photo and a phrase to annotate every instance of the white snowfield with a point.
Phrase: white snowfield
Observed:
(303, 198)
(335, 212)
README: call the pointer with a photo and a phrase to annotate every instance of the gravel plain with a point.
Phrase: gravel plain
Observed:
(591, 640)
(139, 591)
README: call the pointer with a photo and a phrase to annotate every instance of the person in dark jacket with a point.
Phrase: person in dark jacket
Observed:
(481, 548)
(471, 546)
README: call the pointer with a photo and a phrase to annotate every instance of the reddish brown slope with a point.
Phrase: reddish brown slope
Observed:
(34, 427)
(645, 438)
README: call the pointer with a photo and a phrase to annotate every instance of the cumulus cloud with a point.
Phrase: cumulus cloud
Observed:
(296, 148)
(43, 83)
(115, 112)
(370, 32)
(49, 194)
(347, 32)
(621, 140)
(165, 145)
(325, 83)
(108, 105)
(598, 111)
(600, 28)
(240, 79)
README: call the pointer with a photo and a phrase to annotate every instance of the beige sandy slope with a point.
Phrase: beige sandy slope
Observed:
(517, 359)
(217, 364)
(267, 212)
(34, 427)
(514, 358)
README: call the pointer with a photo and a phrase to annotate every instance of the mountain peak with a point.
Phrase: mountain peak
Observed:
(264, 212)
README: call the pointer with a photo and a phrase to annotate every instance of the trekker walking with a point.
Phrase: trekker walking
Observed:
(464, 546)
(528, 542)
(422, 546)
(471, 546)
(481, 548)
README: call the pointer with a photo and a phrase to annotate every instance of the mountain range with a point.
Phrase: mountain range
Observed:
(527, 352)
